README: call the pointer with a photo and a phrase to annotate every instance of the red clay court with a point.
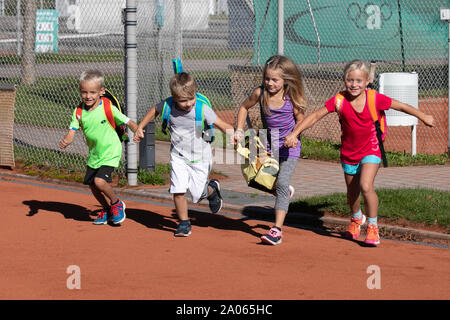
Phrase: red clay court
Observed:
(46, 228)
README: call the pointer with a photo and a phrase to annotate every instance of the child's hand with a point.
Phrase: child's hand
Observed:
(428, 120)
(290, 141)
(138, 135)
(238, 136)
(63, 144)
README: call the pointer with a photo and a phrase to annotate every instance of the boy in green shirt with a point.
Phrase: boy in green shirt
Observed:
(105, 147)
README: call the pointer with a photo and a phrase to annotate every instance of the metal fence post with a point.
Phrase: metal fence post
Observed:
(280, 27)
(19, 28)
(131, 85)
(28, 59)
(178, 30)
(445, 16)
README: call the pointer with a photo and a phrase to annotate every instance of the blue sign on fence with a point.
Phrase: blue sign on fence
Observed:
(46, 31)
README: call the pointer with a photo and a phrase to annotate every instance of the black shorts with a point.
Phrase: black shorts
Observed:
(104, 172)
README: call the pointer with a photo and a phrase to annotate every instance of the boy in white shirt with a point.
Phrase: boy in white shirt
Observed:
(190, 154)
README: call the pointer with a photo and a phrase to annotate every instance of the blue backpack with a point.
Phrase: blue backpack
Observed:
(201, 127)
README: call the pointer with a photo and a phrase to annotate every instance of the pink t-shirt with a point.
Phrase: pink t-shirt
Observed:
(359, 137)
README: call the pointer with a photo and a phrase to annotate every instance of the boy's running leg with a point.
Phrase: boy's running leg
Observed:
(181, 207)
(99, 196)
(104, 214)
(117, 206)
(89, 179)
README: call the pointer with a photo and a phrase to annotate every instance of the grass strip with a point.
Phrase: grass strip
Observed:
(418, 205)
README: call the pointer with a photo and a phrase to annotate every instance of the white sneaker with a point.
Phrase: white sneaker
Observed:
(291, 191)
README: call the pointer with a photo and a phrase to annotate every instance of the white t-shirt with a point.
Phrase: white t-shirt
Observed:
(184, 140)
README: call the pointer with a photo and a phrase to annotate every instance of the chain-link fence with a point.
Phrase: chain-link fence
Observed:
(46, 44)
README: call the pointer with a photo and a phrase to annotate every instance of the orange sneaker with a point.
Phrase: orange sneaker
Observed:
(372, 236)
(354, 229)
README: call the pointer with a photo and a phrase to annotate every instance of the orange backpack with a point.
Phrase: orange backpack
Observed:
(380, 124)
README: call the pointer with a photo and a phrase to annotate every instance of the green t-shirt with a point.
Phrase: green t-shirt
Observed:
(105, 147)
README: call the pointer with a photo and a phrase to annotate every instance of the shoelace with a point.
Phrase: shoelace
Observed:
(274, 233)
(101, 214)
(115, 209)
(371, 231)
(353, 227)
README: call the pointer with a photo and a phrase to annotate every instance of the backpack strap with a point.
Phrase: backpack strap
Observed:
(108, 112)
(338, 102)
(199, 125)
(263, 117)
(371, 103)
(380, 124)
(200, 101)
(167, 108)
(78, 114)
(177, 66)
(207, 130)
(108, 95)
(373, 112)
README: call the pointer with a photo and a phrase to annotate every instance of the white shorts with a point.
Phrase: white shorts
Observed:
(193, 176)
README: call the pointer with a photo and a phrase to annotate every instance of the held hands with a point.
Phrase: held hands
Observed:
(68, 139)
(291, 141)
(63, 144)
(238, 136)
(138, 135)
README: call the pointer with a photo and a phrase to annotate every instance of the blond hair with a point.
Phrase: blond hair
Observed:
(183, 85)
(356, 65)
(93, 75)
(293, 83)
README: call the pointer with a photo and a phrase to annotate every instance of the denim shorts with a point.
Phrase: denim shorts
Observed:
(353, 169)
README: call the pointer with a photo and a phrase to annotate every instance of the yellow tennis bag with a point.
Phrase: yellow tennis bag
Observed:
(259, 169)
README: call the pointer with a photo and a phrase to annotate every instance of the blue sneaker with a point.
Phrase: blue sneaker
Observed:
(118, 212)
(102, 217)
(183, 229)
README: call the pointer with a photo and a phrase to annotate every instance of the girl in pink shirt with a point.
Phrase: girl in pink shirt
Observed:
(360, 152)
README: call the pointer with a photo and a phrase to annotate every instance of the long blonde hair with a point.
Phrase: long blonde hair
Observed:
(293, 83)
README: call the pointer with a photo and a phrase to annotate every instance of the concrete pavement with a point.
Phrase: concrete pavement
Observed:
(313, 177)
